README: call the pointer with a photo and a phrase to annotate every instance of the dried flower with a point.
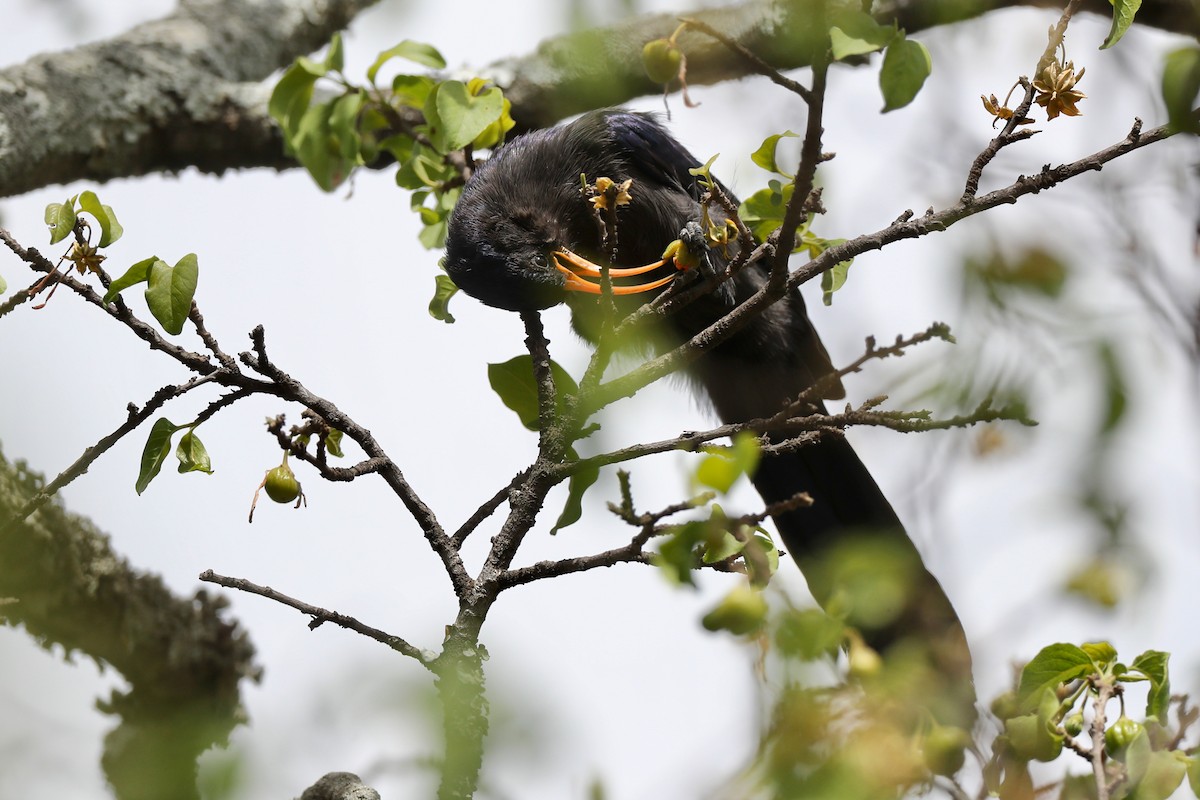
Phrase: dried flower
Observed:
(602, 188)
(1001, 112)
(85, 258)
(1056, 90)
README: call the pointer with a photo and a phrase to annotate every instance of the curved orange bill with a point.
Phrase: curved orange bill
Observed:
(575, 267)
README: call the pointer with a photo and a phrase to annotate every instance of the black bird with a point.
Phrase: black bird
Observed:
(525, 236)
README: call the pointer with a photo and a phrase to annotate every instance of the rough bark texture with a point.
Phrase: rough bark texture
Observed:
(62, 581)
(187, 91)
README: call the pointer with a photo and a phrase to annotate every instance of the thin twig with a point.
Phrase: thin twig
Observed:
(85, 460)
(1104, 693)
(755, 63)
(321, 615)
(804, 430)
(905, 227)
(1058, 32)
(224, 401)
(806, 173)
(486, 510)
(193, 361)
(289, 388)
(802, 402)
(631, 553)
(1010, 134)
(209, 340)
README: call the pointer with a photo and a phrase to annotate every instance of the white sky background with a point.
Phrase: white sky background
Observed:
(605, 674)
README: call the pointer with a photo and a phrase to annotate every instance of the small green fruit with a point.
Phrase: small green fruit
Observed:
(1120, 735)
(863, 662)
(1073, 724)
(661, 60)
(742, 611)
(944, 749)
(281, 484)
(1031, 739)
(1005, 705)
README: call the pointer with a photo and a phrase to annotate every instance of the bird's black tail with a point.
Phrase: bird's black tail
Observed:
(861, 565)
(852, 548)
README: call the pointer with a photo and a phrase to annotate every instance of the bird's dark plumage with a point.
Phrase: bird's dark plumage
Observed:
(525, 204)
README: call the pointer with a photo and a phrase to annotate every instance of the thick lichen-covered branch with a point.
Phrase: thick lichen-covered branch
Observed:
(191, 89)
(183, 660)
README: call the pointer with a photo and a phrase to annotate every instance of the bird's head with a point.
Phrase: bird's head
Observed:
(525, 259)
(505, 260)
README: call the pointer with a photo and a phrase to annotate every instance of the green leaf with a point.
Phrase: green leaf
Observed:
(675, 556)
(906, 65)
(856, 33)
(764, 156)
(326, 141)
(1053, 665)
(1115, 391)
(335, 58)
(170, 291)
(721, 468)
(1163, 771)
(704, 171)
(433, 237)
(493, 135)
(1153, 664)
(761, 558)
(1193, 774)
(763, 211)
(439, 306)
(1123, 14)
(333, 443)
(809, 634)
(3, 285)
(136, 274)
(577, 485)
(456, 116)
(834, 279)
(110, 229)
(412, 90)
(719, 548)
(513, 381)
(343, 126)
(1102, 654)
(291, 98)
(158, 447)
(1180, 87)
(192, 455)
(417, 52)
(746, 452)
(61, 219)
(717, 472)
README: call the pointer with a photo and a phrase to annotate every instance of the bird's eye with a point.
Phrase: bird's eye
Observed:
(539, 261)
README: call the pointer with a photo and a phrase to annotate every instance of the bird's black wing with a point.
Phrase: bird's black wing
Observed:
(655, 152)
